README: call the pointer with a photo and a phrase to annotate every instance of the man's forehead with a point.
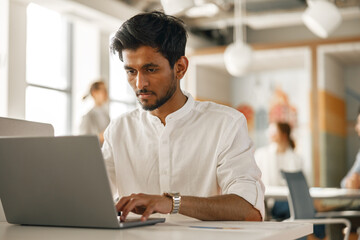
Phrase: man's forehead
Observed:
(142, 55)
(140, 50)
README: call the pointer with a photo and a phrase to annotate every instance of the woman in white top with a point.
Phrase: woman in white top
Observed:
(97, 119)
(277, 156)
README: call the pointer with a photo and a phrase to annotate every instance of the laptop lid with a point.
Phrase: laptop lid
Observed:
(10, 127)
(15, 127)
(58, 181)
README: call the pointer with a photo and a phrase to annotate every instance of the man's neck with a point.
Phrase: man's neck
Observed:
(176, 102)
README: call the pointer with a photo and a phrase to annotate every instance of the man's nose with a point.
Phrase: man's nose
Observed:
(141, 81)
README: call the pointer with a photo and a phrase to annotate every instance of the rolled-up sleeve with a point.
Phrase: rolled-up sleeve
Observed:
(237, 171)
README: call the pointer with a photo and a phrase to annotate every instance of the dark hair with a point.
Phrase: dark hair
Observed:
(285, 128)
(94, 86)
(165, 33)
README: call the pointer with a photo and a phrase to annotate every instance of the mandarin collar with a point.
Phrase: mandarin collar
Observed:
(175, 115)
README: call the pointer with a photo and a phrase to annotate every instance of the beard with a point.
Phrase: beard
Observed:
(162, 100)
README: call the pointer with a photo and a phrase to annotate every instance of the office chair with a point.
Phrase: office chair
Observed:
(302, 207)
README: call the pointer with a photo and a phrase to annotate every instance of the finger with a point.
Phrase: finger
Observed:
(139, 209)
(122, 202)
(149, 210)
(134, 202)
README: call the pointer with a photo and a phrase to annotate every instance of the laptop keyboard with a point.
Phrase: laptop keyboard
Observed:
(130, 220)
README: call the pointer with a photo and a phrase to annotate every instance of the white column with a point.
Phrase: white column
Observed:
(4, 36)
(86, 67)
(104, 56)
(4, 56)
(17, 60)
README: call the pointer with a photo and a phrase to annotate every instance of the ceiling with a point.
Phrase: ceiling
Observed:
(345, 54)
(260, 15)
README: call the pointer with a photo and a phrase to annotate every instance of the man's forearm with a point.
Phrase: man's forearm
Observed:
(225, 207)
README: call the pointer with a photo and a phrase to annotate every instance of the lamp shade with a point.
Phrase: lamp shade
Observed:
(321, 17)
(174, 7)
(237, 57)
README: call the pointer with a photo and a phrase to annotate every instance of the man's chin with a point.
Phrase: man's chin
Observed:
(147, 106)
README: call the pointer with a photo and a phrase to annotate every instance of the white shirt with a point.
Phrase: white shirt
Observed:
(203, 150)
(270, 162)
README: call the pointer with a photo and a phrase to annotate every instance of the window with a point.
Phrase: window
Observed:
(48, 85)
(122, 96)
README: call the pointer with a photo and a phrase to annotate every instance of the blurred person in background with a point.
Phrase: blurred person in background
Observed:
(278, 155)
(352, 178)
(97, 119)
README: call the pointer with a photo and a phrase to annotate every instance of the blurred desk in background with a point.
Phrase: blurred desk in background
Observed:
(343, 202)
(281, 193)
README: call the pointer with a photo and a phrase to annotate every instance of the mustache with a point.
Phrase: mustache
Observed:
(138, 92)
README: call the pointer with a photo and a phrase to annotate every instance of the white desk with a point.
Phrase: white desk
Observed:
(176, 228)
(281, 193)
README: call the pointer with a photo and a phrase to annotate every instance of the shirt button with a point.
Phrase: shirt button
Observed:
(164, 172)
(164, 142)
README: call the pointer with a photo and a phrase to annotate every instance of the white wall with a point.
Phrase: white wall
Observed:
(89, 57)
(12, 62)
(86, 67)
(256, 90)
(331, 76)
(4, 40)
(213, 84)
(105, 56)
(17, 60)
(207, 78)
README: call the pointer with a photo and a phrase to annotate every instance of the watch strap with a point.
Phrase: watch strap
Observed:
(176, 202)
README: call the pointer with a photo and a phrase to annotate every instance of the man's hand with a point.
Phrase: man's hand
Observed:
(143, 204)
(353, 182)
(220, 208)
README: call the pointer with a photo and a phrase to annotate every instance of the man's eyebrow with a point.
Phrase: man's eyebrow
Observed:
(126, 67)
(150, 65)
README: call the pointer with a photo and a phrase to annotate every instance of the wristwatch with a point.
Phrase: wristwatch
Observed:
(176, 201)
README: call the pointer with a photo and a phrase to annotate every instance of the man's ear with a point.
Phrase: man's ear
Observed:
(181, 67)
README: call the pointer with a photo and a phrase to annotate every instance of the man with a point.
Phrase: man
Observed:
(175, 144)
(352, 179)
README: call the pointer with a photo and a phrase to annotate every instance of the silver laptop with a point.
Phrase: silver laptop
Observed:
(18, 127)
(58, 181)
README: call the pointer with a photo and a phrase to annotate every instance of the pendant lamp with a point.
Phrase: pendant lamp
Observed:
(238, 55)
(321, 17)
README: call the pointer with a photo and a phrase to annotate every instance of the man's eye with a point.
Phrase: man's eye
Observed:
(152, 70)
(130, 72)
